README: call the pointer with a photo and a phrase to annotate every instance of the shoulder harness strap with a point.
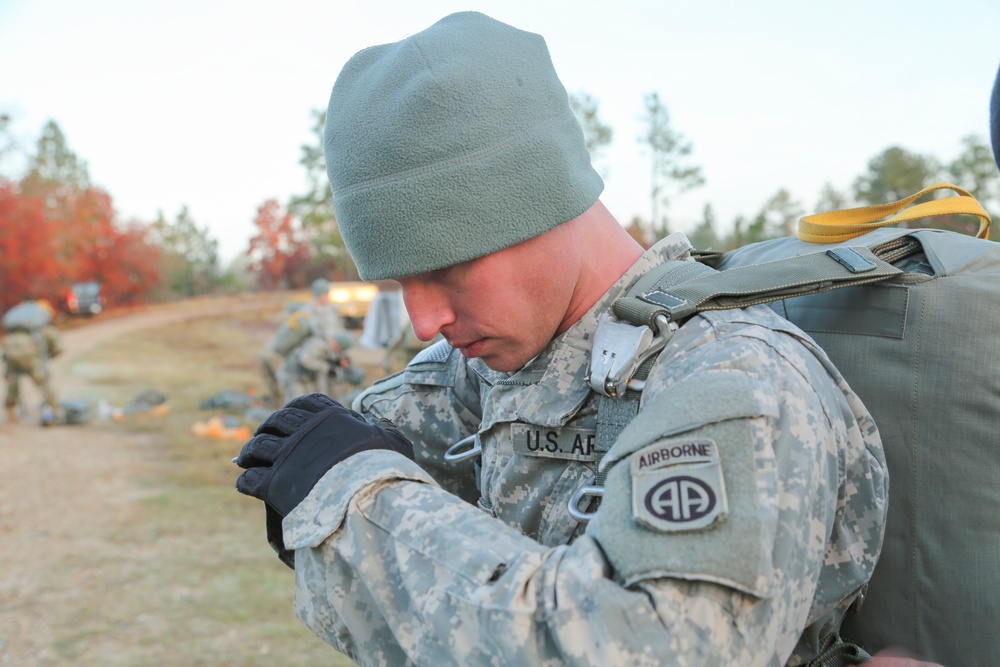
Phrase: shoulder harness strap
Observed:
(658, 302)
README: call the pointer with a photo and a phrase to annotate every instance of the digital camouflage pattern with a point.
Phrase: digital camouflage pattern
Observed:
(400, 564)
(307, 367)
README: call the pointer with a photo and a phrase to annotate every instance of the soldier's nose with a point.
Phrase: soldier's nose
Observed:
(427, 307)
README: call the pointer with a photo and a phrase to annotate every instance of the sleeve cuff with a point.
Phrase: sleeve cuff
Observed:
(322, 512)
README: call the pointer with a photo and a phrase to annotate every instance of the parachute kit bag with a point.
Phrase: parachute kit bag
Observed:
(26, 316)
(292, 332)
(75, 411)
(920, 349)
(910, 318)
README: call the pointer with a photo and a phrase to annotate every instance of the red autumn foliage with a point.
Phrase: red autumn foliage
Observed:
(280, 251)
(51, 237)
(28, 264)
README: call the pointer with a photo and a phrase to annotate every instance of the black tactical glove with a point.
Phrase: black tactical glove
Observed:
(294, 447)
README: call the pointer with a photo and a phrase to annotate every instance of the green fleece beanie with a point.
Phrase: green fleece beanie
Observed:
(453, 143)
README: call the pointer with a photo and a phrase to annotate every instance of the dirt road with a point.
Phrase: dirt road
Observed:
(64, 491)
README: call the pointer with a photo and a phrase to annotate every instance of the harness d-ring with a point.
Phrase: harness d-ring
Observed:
(464, 449)
(588, 490)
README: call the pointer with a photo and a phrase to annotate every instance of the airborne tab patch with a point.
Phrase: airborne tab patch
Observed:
(677, 486)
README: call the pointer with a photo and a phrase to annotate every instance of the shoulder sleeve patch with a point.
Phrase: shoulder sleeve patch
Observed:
(678, 486)
(682, 497)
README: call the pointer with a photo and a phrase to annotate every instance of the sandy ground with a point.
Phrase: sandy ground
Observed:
(49, 515)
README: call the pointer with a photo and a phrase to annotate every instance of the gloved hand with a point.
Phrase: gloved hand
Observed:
(294, 447)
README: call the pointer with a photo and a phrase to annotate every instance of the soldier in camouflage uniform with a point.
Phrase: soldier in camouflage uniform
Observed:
(26, 352)
(744, 504)
(268, 363)
(311, 364)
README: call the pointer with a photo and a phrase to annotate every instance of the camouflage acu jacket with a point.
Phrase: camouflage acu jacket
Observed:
(743, 509)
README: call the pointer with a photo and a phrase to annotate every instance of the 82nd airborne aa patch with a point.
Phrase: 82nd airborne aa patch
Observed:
(677, 486)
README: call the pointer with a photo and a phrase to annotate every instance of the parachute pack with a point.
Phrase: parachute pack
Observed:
(911, 319)
(75, 410)
(292, 332)
(27, 316)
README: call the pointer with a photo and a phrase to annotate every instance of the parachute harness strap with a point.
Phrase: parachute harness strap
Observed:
(622, 355)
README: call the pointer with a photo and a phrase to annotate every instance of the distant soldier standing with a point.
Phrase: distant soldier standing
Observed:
(29, 343)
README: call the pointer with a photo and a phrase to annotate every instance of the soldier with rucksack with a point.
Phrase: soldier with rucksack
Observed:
(738, 482)
(269, 356)
(313, 345)
(29, 342)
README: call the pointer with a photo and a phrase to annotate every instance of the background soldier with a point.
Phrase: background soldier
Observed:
(268, 363)
(29, 343)
(745, 547)
(316, 360)
(273, 350)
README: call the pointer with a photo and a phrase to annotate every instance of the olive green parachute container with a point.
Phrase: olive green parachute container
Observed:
(292, 332)
(26, 316)
(922, 350)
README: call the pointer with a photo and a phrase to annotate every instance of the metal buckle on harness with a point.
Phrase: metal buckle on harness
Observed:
(620, 348)
(588, 490)
(464, 449)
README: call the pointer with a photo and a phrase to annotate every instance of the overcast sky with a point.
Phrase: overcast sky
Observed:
(206, 103)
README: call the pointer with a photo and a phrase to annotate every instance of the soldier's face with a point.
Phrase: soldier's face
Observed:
(504, 307)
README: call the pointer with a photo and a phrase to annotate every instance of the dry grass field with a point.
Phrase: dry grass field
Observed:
(124, 542)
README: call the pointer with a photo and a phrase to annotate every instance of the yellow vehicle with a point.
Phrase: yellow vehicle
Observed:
(351, 299)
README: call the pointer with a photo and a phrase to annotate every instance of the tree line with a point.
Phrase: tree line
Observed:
(57, 228)
(890, 175)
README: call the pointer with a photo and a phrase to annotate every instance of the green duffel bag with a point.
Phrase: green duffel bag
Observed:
(292, 332)
(75, 410)
(921, 350)
(27, 316)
